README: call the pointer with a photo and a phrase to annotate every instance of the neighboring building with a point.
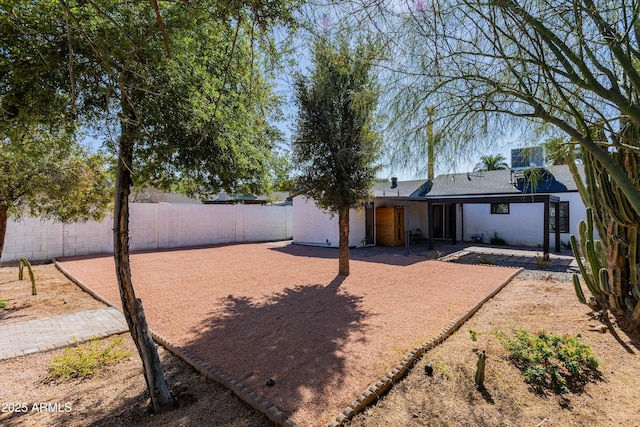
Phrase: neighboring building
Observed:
(457, 207)
(152, 195)
(275, 198)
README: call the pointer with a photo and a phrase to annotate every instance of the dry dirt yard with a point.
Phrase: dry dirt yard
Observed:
(449, 397)
(116, 396)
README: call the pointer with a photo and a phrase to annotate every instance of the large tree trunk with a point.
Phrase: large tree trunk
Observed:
(3, 226)
(161, 397)
(343, 246)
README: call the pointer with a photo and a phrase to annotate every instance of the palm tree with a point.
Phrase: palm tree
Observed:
(491, 163)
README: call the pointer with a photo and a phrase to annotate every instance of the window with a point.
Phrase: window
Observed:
(563, 217)
(499, 208)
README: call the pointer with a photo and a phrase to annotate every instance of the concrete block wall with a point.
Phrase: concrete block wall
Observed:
(85, 238)
(32, 238)
(151, 226)
(143, 226)
(266, 223)
(195, 225)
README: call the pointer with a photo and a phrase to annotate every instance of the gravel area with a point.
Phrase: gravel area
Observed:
(559, 276)
(260, 311)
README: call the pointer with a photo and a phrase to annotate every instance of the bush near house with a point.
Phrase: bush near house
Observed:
(497, 240)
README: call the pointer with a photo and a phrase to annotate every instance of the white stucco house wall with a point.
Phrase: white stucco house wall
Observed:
(519, 221)
(313, 226)
(522, 225)
(464, 207)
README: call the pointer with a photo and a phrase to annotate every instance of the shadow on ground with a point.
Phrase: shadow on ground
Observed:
(379, 254)
(294, 337)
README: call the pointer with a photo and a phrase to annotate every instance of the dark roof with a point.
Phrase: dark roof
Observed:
(553, 179)
(276, 197)
(415, 188)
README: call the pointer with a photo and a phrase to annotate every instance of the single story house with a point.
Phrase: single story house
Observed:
(542, 211)
(281, 198)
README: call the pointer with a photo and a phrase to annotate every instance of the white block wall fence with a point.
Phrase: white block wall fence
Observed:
(151, 226)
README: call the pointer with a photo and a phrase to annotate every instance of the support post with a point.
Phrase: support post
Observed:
(430, 220)
(453, 217)
(557, 226)
(406, 229)
(545, 239)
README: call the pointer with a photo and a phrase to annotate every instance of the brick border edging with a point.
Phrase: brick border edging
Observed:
(75, 280)
(370, 395)
(244, 393)
(254, 400)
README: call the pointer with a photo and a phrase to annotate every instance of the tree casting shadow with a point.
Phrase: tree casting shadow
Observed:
(295, 337)
(380, 255)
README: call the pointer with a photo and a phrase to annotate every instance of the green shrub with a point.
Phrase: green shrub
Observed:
(3, 302)
(83, 360)
(497, 240)
(548, 360)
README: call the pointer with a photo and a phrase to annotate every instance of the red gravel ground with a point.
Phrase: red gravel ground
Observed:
(260, 311)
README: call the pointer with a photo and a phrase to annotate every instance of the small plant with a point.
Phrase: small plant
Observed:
(443, 370)
(487, 261)
(3, 302)
(25, 263)
(83, 360)
(497, 240)
(549, 360)
(542, 263)
(474, 335)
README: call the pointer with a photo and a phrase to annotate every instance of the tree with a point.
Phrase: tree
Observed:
(336, 146)
(50, 176)
(559, 151)
(431, 144)
(560, 67)
(491, 163)
(185, 93)
(281, 171)
(45, 171)
(536, 60)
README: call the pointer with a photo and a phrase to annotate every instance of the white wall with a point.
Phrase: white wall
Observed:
(313, 226)
(577, 213)
(523, 226)
(151, 226)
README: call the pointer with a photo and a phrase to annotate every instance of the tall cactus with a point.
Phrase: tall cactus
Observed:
(593, 273)
(610, 267)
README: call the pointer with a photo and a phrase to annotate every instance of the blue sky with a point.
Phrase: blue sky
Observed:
(464, 163)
